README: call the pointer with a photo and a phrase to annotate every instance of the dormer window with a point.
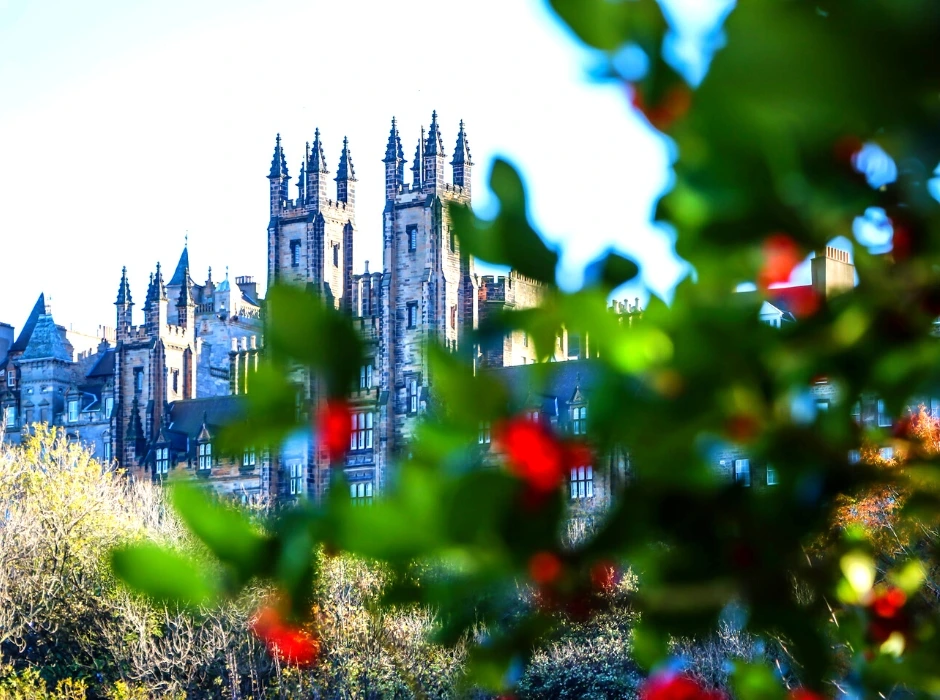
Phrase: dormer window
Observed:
(249, 457)
(532, 416)
(162, 461)
(73, 410)
(484, 436)
(205, 455)
(11, 378)
(579, 420)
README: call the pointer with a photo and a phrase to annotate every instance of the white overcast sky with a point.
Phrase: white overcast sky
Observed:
(123, 125)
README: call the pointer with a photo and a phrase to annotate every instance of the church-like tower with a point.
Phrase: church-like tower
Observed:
(429, 286)
(310, 238)
(310, 243)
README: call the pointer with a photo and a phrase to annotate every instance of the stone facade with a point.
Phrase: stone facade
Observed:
(153, 396)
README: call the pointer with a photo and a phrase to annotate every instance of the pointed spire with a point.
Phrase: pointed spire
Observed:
(124, 291)
(302, 180)
(462, 150)
(417, 166)
(149, 300)
(182, 267)
(159, 288)
(279, 161)
(317, 161)
(435, 144)
(393, 150)
(345, 171)
(186, 293)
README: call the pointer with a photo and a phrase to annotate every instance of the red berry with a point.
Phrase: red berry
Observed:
(545, 568)
(604, 576)
(781, 255)
(534, 454)
(889, 603)
(284, 641)
(670, 686)
(334, 424)
(804, 694)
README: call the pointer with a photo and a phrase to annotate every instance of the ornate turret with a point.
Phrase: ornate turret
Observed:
(155, 310)
(125, 306)
(417, 167)
(462, 162)
(394, 163)
(317, 174)
(434, 157)
(346, 176)
(185, 306)
(279, 178)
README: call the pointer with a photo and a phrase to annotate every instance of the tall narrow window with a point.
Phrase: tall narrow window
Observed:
(336, 255)
(11, 378)
(295, 253)
(175, 377)
(579, 420)
(138, 379)
(582, 482)
(361, 493)
(296, 479)
(107, 451)
(884, 420)
(453, 317)
(205, 455)
(9, 416)
(412, 314)
(249, 457)
(73, 410)
(484, 436)
(742, 471)
(361, 436)
(412, 233)
(453, 240)
(771, 476)
(412, 396)
(365, 377)
(163, 461)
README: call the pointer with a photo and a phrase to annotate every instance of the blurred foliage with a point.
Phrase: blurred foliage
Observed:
(774, 160)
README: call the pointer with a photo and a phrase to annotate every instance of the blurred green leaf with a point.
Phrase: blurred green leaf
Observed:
(508, 239)
(224, 529)
(164, 575)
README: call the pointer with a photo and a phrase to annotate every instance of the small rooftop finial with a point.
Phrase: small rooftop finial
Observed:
(345, 171)
(435, 145)
(462, 149)
(226, 272)
(367, 267)
(278, 162)
(186, 239)
(317, 161)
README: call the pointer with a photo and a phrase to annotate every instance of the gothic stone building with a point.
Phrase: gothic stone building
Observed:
(153, 397)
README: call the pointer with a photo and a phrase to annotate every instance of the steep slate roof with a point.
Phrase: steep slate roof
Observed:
(104, 367)
(182, 269)
(564, 381)
(46, 342)
(22, 339)
(186, 417)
